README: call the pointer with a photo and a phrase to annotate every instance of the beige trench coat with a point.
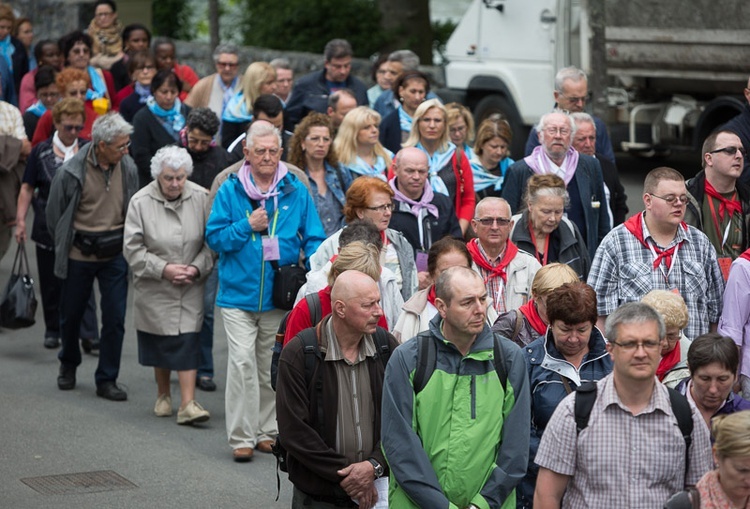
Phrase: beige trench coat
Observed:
(158, 232)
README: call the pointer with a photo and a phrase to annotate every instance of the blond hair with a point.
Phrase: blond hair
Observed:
(670, 306)
(552, 276)
(732, 434)
(356, 256)
(345, 144)
(255, 75)
(415, 137)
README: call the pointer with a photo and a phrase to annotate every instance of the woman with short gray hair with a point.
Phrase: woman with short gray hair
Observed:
(165, 248)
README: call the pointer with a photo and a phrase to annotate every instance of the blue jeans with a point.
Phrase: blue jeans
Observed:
(206, 363)
(76, 291)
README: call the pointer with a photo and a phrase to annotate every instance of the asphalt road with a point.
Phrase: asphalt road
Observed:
(47, 432)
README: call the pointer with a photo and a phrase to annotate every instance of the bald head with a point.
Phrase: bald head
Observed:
(351, 284)
(411, 156)
(355, 306)
(411, 171)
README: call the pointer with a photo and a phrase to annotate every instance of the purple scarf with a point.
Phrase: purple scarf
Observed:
(540, 162)
(416, 206)
(252, 192)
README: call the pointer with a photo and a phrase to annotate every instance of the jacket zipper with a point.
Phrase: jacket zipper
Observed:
(473, 391)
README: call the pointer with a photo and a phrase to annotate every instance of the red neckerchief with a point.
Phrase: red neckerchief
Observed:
(731, 206)
(634, 226)
(511, 250)
(333, 258)
(746, 255)
(531, 313)
(667, 362)
(431, 295)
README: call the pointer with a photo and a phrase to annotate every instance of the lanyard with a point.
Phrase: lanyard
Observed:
(671, 266)
(715, 219)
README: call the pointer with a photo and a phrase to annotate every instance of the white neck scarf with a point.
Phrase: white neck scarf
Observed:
(68, 152)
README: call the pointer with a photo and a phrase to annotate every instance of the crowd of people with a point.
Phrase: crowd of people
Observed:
(412, 313)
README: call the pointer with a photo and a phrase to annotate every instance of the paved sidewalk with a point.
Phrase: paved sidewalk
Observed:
(47, 432)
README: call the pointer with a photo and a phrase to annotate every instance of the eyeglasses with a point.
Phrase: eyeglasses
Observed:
(72, 128)
(123, 148)
(325, 140)
(457, 130)
(631, 346)
(48, 95)
(489, 221)
(730, 151)
(383, 208)
(230, 65)
(260, 152)
(197, 142)
(146, 68)
(672, 199)
(552, 131)
(80, 51)
(576, 100)
(673, 337)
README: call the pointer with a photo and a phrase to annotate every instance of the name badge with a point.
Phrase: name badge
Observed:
(421, 261)
(270, 248)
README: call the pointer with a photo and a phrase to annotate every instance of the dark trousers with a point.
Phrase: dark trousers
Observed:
(206, 363)
(50, 286)
(112, 276)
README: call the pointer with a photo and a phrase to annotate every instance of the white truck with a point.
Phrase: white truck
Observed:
(662, 73)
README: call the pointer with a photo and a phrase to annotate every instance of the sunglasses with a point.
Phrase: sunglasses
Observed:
(72, 128)
(730, 151)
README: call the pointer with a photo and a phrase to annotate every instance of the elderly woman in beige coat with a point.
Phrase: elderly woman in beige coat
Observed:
(165, 248)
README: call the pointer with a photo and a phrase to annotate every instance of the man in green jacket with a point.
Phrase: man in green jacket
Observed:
(462, 440)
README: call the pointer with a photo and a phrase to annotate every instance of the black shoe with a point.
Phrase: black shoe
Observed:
(110, 391)
(90, 345)
(66, 380)
(51, 342)
(205, 384)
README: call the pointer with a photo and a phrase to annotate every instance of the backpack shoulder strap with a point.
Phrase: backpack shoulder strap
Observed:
(517, 326)
(313, 304)
(684, 415)
(382, 345)
(309, 338)
(426, 360)
(499, 356)
(584, 401)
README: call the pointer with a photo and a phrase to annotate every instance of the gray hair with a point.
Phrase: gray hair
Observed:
(226, 48)
(489, 200)
(337, 48)
(281, 63)
(408, 58)
(108, 127)
(633, 312)
(580, 117)
(259, 130)
(172, 157)
(572, 73)
(543, 121)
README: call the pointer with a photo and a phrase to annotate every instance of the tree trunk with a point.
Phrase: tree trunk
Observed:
(213, 22)
(407, 26)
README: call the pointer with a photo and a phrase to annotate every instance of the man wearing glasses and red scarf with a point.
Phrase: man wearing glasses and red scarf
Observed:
(656, 250)
(507, 272)
(719, 203)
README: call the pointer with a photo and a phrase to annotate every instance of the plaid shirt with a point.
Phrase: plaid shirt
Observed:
(11, 122)
(622, 460)
(623, 271)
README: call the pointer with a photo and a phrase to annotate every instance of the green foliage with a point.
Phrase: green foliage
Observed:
(172, 18)
(304, 25)
(441, 32)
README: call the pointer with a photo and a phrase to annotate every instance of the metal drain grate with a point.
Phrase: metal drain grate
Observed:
(82, 482)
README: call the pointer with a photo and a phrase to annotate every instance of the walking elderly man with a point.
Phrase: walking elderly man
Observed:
(456, 407)
(261, 214)
(332, 434)
(632, 452)
(86, 212)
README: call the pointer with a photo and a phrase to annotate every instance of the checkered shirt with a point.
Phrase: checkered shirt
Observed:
(621, 459)
(11, 122)
(623, 271)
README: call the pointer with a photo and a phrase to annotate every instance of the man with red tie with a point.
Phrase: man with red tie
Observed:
(657, 250)
(507, 272)
(719, 203)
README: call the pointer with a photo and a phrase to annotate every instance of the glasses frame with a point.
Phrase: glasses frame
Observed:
(383, 208)
(491, 221)
(730, 151)
(682, 200)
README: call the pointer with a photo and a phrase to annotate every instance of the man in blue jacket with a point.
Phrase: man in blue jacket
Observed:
(311, 92)
(261, 214)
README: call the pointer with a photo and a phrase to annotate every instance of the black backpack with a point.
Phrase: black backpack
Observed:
(586, 397)
(313, 356)
(316, 315)
(427, 358)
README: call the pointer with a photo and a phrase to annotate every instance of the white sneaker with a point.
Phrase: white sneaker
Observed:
(163, 407)
(192, 413)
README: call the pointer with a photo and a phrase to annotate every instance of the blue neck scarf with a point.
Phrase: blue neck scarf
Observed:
(484, 179)
(37, 108)
(360, 167)
(404, 119)
(236, 110)
(98, 87)
(143, 92)
(172, 118)
(437, 161)
(6, 50)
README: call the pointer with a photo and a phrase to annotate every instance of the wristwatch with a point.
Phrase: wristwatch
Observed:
(377, 466)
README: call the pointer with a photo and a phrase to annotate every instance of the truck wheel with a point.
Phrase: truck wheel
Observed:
(492, 104)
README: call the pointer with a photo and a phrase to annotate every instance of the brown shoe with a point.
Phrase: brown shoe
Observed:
(243, 454)
(265, 446)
